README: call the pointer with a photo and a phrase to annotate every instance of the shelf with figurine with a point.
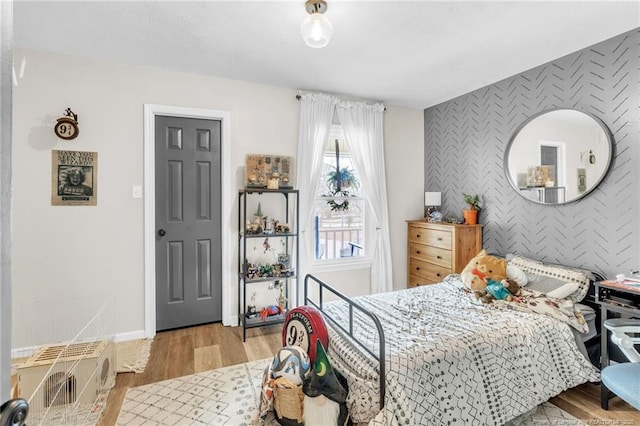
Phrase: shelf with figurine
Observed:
(270, 314)
(253, 272)
(267, 252)
(263, 226)
(279, 269)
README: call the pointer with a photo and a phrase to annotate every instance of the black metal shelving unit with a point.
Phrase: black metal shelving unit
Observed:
(292, 211)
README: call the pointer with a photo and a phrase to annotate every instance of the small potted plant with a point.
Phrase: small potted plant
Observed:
(471, 214)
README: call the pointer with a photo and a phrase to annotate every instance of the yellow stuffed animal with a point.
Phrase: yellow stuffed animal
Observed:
(479, 270)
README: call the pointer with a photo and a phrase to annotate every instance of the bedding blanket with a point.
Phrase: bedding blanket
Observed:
(451, 361)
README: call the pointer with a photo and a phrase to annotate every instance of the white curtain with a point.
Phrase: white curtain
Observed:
(316, 114)
(363, 129)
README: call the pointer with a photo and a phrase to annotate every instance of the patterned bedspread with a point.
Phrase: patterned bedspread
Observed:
(451, 361)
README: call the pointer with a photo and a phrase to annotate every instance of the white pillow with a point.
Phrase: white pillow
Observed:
(517, 275)
(564, 291)
(561, 274)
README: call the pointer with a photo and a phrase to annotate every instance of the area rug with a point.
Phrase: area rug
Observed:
(230, 396)
(78, 414)
(132, 355)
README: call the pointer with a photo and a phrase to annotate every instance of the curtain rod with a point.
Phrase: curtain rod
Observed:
(298, 97)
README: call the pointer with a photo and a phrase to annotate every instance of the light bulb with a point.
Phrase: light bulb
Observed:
(316, 30)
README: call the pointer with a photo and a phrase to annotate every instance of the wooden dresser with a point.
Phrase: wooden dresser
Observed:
(438, 249)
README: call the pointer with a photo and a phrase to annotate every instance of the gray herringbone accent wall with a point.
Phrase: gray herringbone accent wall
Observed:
(465, 140)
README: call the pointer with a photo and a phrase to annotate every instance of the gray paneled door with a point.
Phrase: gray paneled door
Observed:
(549, 157)
(188, 222)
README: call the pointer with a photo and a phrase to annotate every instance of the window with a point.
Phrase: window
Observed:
(339, 228)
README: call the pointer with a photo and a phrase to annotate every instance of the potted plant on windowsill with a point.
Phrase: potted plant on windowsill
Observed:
(471, 214)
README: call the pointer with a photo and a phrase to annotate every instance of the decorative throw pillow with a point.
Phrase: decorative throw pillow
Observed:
(517, 275)
(543, 283)
(564, 291)
(560, 275)
(487, 266)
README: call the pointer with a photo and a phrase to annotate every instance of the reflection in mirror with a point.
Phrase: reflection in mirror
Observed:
(558, 156)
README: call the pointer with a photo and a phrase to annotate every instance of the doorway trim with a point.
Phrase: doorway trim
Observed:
(6, 105)
(150, 112)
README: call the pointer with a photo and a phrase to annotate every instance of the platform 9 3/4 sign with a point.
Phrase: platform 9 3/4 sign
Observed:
(303, 327)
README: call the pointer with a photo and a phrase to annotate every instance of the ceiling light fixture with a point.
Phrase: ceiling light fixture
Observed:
(316, 29)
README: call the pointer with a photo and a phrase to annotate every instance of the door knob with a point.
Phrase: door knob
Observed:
(162, 232)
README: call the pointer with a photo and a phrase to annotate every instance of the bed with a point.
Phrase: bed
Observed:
(433, 355)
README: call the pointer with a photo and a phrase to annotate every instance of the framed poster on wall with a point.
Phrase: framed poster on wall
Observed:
(74, 178)
(582, 180)
(263, 170)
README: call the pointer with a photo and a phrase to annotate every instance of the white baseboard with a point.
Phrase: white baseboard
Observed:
(233, 321)
(129, 335)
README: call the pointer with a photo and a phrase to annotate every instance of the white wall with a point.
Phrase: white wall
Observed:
(64, 255)
(404, 159)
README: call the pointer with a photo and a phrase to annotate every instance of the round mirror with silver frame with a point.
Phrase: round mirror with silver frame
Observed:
(558, 156)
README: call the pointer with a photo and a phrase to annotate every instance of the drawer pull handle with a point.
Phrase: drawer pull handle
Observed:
(417, 251)
(439, 239)
(439, 257)
(417, 268)
(417, 235)
(438, 274)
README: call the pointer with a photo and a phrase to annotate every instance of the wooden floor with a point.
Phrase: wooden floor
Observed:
(196, 349)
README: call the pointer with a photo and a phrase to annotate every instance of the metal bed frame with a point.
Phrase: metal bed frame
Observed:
(380, 356)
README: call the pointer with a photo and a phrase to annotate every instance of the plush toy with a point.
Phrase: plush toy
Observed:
(292, 363)
(497, 290)
(475, 281)
(325, 394)
(512, 286)
(490, 266)
(479, 270)
(288, 370)
(478, 280)
(506, 289)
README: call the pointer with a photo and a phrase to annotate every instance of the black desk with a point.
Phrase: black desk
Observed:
(619, 298)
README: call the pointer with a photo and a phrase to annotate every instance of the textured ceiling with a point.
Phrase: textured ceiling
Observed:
(415, 54)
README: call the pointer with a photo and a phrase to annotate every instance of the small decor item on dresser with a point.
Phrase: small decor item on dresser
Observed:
(471, 214)
(432, 200)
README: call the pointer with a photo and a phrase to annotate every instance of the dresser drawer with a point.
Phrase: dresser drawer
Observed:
(435, 250)
(430, 237)
(435, 255)
(433, 273)
(416, 281)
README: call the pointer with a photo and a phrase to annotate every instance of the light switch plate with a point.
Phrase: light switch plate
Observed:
(136, 191)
